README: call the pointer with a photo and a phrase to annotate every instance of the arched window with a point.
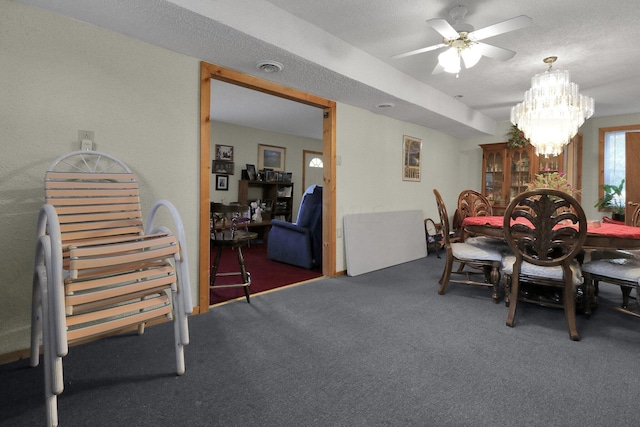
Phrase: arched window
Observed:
(316, 163)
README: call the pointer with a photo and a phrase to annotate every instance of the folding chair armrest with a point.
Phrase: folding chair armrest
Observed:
(49, 226)
(182, 264)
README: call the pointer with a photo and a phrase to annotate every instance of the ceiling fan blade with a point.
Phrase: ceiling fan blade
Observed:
(417, 51)
(438, 69)
(495, 52)
(444, 28)
(512, 24)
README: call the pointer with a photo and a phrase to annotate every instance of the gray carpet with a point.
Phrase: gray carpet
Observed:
(380, 349)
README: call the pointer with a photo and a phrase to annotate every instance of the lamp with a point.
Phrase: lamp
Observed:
(552, 111)
(463, 48)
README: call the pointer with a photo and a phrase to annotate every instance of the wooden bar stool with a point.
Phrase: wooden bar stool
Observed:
(227, 235)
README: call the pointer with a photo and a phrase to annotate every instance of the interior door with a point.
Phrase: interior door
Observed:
(313, 164)
(632, 178)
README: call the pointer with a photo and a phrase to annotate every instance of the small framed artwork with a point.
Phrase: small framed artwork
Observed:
(251, 171)
(224, 152)
(222, 182)
(220, 166)
(411, 158)
(271, 157)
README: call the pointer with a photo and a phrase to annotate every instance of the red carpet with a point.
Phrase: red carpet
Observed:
(265, 274)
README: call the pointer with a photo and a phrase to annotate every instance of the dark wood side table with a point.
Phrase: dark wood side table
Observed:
(228, 238)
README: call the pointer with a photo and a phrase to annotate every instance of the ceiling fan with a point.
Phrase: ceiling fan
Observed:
(464, 41)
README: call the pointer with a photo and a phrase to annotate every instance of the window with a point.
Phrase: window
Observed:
(612, 156)
(316, 163)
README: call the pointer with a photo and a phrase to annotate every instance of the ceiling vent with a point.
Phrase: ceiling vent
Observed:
(385, 105)
(269, 66)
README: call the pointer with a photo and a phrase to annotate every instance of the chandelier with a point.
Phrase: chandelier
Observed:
(552, 111)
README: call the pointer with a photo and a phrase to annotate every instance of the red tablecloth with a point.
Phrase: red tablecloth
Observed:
(602, 229)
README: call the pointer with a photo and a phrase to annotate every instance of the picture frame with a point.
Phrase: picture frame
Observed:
(224, 152)
(222, 182)
(251, 172)
(222, 167)
(411, 158)
(271, 157)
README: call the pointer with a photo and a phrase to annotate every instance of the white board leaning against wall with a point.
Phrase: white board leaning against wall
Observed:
(382, 239)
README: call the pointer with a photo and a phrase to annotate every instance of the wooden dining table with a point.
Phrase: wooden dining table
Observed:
(600, 235)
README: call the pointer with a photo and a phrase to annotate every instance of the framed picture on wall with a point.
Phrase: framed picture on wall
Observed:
(271, 157)
(411, 158)
(224, 152)
(222, 182)
(220, 166)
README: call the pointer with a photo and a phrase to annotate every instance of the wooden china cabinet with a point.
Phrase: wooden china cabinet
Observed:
(507, 171)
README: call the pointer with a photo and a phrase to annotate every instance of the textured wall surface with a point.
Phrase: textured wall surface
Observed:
(60, 76)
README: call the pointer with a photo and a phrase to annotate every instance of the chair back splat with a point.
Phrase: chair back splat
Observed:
(545, 229)
(98, 270)
(470, 203)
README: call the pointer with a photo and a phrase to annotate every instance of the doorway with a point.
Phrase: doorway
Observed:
(312, 168)
(207, 73)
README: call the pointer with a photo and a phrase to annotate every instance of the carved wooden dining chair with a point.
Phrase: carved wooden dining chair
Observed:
(470, 203)
(545, 229)
(619, 268)
(485, 259)
(98, 271)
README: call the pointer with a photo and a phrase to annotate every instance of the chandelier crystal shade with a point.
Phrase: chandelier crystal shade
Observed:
(552, 111)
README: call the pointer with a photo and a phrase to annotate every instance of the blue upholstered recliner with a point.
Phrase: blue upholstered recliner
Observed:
(299, 243)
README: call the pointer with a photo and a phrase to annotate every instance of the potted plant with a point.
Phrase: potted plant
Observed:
(612, 200)
(516, 138)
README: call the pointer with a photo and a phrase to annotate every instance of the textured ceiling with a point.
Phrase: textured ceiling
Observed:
(341, 50)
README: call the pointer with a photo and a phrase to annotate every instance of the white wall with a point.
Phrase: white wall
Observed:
(245, 143)
(60, 76)
(369, 176)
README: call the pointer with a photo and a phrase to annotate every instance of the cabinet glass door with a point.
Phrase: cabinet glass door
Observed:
(494, 177)
(520, 172)
(549, 164)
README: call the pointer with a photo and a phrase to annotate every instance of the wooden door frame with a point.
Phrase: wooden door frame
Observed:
(210, 71)
(631, 158)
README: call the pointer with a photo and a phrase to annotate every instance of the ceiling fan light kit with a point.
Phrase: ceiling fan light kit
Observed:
(552, 111)
(463, 42)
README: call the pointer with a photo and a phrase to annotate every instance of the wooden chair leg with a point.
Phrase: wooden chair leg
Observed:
(495, 280)
(626, 293)
(506, 284)
(569, 294)
(448, 266)
(244, 274)
(513, 302)
(588, 295)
